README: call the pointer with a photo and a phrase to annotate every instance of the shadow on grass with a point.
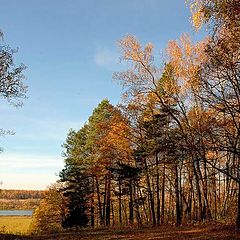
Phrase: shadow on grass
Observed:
(5, 236)
(206, 232)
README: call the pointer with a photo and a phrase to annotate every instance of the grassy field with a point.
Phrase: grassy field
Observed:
(216, 232)
(162, 232)
(14, 224)
(207, 232)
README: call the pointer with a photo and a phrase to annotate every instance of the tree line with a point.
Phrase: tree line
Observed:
(170, 152)
(21, 194)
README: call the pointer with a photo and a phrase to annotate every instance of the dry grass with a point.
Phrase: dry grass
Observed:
(164, 232)
(14, 224)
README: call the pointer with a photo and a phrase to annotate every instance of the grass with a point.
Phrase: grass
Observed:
(15, 224)
(161, 233)
(202, 232)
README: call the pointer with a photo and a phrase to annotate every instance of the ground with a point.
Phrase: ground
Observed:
(164, 232)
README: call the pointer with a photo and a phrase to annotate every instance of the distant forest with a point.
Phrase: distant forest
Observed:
(20, 199)
(21, 194)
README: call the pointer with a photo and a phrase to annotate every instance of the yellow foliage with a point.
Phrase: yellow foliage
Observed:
(196, 8)
(186, 58)
(48, 216)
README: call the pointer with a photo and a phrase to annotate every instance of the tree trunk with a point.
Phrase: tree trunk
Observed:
(178, 206)
(150, 194)
(99, 202)
(163, 195)
(105, 200)
(120, 201)
(130, 202)
(158, 190)
(136, 196)
(108, 201)
(113, 216)
(92, 205)
(206, 213)
(144, 206)
(199, 195)
(238, 207)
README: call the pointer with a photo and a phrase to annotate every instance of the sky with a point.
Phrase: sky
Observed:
(70, 50)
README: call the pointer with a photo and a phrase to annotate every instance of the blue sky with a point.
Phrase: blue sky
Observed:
(70, 50)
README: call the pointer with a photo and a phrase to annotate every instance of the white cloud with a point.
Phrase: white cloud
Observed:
(105, 58)
(9, 160)
(27, 181)
(23, 171)
(26, 163)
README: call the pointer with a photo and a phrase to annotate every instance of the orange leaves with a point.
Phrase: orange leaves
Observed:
(116, 140)
(186, 58)
(197, 10)
(174, 50)
(217, 14)
(108, 138)
(201, 120)
(132, 50)
(140, 76)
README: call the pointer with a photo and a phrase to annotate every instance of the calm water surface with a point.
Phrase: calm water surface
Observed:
(16, 212)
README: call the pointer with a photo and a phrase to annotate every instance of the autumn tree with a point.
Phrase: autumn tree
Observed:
(89, 154)
(170, 151)
(219, 77)
(49, 215)
(153, 91)
(76, 182)
(12, 87)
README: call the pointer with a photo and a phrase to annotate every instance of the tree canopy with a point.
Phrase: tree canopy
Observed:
(170, 152)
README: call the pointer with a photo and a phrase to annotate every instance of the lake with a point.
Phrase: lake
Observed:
(16, 212)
